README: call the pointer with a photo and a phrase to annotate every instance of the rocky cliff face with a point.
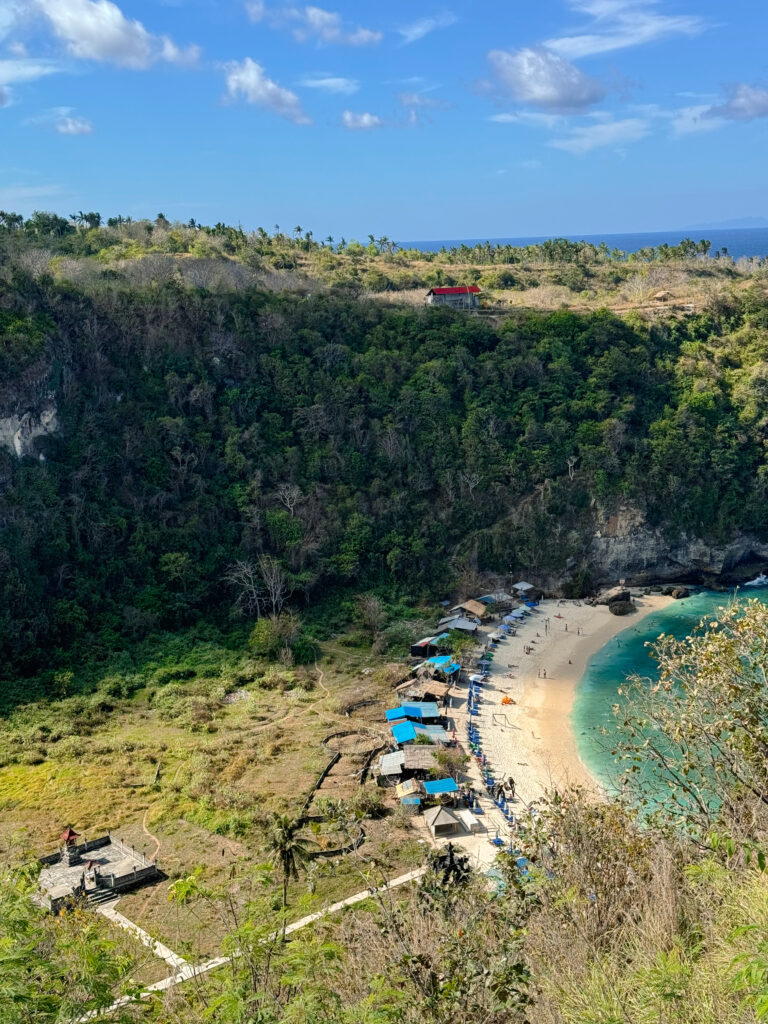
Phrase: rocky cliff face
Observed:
(18, 432)
(624, 546)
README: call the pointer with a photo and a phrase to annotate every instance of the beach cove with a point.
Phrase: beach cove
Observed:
(533, 739)
(557, 731)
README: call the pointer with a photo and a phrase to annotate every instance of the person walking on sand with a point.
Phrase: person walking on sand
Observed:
(544, 673)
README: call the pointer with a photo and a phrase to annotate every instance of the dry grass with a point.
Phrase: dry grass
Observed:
(203, 789)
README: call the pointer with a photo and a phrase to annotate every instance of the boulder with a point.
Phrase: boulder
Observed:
(616, 594)
(621, 607)
(680, 592)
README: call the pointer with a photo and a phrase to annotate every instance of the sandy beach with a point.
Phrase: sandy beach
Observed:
(532, 739)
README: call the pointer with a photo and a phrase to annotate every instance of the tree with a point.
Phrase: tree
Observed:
(275, 581)
(371, 612)
(244, 578)
(462, 645)
(290, 495)
(288, 851)
(701, 730)
(55, 968)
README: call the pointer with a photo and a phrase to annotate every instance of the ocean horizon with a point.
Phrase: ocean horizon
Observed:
(740, 243)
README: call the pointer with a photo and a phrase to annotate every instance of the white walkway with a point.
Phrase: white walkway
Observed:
(161, 951)
(188, 971)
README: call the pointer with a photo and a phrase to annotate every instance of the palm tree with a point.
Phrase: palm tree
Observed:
(288, 851)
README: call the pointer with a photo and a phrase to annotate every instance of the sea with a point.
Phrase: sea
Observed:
(627, 654)
(739, 242)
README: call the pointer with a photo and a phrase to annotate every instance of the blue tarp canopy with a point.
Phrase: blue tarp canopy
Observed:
(441, 786)
(440, 661)
(442, 636)
(393, 714)
(419, 709)
(404, 732)
(453, 667)
(531, 604)
(411, 800)
(487, 599)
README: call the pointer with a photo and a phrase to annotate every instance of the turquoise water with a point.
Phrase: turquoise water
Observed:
(592, 719)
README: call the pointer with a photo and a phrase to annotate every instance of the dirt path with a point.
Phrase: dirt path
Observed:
(146, 831)
(298, 714)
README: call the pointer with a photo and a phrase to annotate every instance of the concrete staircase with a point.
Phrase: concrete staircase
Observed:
(99, 896)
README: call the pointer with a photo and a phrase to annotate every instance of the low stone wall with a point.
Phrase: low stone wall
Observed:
(321, 779)
(119, 883)
(86, 847)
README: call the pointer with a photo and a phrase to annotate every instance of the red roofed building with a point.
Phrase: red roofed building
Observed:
(459, 297)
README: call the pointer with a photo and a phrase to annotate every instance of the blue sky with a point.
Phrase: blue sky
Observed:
(409, 119)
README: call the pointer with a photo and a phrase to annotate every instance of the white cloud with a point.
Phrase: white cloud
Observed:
(419, 99)
(619, 24)
(418, 105)
(5, 97)
(25, 70)
(248, 80)
(68, 124)
(98, 30)
(744, 103)
(17, 49)
(360, 122)
(331, 83)
(256, 10)
(423, 26)
(312, 23)
(543, 79)
(531, 117)
(694, 120)
(603, 134)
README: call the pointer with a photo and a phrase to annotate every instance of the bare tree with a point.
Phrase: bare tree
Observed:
(470, 480)
(371, 611)
(290, 495)
(244, 577)
(275, 582)
(572, 460)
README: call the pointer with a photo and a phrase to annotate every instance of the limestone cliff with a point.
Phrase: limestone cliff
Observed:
(625, 546)
(18, 433)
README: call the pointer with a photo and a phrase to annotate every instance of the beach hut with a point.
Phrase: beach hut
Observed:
(441, 787)
(430, 646)
(476, 608)
(408, 788)
(441, 822)
(443, 664)
(469, 821)
(406, 732)
(460, 622)
(391, 765)
(424, 689)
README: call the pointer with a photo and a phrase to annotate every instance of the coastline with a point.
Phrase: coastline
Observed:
(533, 739)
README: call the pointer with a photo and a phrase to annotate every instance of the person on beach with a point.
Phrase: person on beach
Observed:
(566, 627)
(544, 673)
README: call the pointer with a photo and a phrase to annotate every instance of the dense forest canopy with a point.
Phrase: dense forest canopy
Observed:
(335, 441)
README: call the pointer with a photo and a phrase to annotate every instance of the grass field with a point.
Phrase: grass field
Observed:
(189, 768)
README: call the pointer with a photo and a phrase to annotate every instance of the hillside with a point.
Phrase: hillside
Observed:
(164, 421)
(238, 475)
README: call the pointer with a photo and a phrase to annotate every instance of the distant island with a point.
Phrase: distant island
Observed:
(734, 223)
